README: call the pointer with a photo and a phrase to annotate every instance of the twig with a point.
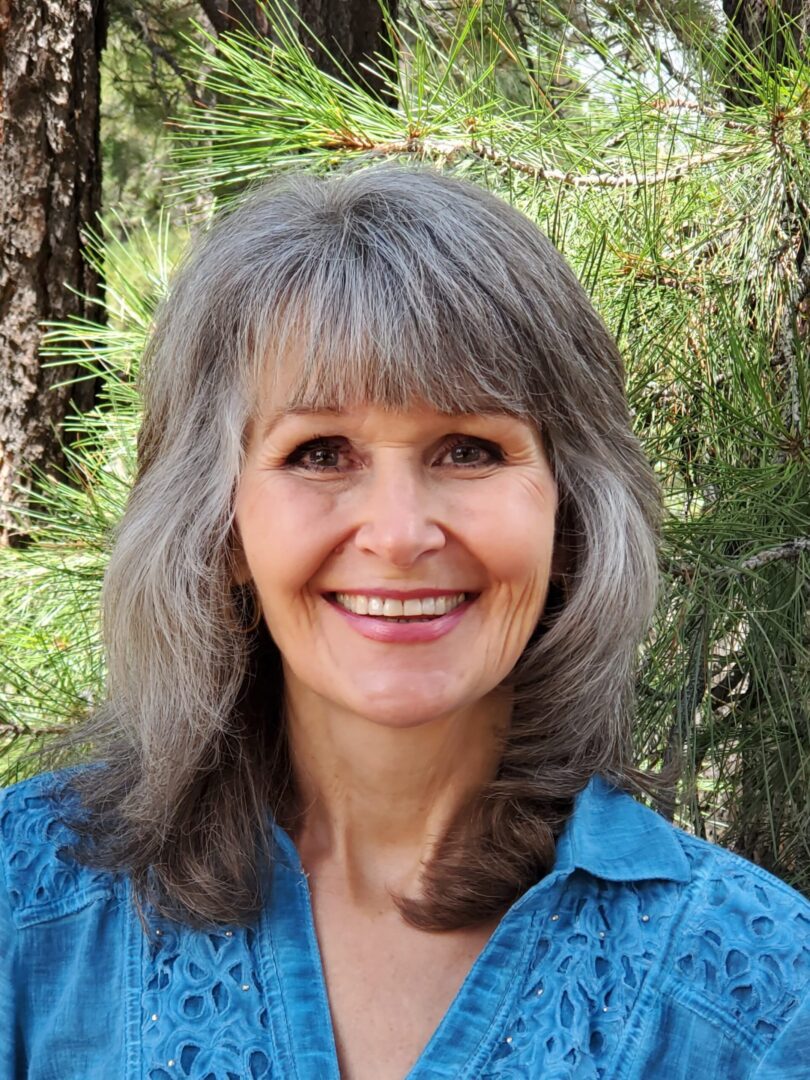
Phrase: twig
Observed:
(791, 549)
(677, 104)
(9, 728)
(218, 18)
(539, 172)
(784, 357)
(138, 22)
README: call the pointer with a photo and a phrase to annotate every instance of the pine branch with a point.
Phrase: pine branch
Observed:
(791, 549)
(16, 730)
(450, 149)
(784, 357)
(680, 104)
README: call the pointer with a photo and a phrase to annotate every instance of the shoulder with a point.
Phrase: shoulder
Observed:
(727, 878)
(42, 879)
(742, 944)
(748, 902)
(658, 944)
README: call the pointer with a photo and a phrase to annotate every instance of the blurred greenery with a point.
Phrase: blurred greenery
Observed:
(686, 216)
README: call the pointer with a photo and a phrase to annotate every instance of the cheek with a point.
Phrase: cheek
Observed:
(285, 533)
(513, 536)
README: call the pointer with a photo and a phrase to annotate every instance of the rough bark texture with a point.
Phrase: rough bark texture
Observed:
(49, 192)
(351, 30)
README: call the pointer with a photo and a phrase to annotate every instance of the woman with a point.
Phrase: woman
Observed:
(371, 617)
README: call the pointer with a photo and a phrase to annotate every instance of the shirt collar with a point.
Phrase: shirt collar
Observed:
(614, 837)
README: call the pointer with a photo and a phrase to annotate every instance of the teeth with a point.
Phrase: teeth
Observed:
(397, 609)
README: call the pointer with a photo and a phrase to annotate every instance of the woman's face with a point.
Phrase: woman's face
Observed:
(371, 504)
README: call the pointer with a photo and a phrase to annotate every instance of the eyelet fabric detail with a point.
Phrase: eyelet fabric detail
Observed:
(585, 975)
(204, 990)
(44, 882)
(645, 954)
(616, 943)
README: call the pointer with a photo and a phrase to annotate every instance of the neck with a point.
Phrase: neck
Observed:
(375, 799)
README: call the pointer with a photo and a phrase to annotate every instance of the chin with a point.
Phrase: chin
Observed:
(396, 713)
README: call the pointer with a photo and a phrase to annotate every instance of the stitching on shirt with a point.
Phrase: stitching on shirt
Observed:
(486, 1044)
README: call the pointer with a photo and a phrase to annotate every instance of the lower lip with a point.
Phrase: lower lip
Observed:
(381, 629)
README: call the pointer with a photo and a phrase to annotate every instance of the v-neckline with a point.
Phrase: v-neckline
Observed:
(299, 1013)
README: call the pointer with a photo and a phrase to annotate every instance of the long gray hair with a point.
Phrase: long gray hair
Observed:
(400, 284)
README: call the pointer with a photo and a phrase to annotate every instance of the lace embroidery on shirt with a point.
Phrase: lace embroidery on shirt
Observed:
(744, 948)
(40, 873)
(591, 959)
(203, 1007)
(598, 946)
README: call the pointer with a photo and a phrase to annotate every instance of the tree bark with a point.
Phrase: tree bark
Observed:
(231, 14)
(351, 30)
(50, 190)
(765, 27)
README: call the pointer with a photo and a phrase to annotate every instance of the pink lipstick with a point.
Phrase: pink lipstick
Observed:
(380, 628)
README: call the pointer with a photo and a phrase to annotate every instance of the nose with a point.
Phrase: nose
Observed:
(398, 523)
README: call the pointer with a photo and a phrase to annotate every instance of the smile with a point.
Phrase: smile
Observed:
(388, 608)
(397, 628)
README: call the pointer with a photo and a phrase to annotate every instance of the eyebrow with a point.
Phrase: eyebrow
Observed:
(278, 415)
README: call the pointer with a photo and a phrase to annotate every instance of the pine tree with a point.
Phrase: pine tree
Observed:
(686, 215)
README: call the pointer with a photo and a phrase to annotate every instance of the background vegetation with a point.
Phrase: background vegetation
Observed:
(669, 160)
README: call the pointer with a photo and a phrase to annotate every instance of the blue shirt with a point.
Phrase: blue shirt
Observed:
(646, 954)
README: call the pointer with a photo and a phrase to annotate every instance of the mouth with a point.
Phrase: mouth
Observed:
(390, 610)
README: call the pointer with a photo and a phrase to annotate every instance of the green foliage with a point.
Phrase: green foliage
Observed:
(685, 217)
(143, 85)
(51, 659)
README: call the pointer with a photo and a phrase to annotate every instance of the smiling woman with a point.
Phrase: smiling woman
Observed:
(357, 800)
(397, 517)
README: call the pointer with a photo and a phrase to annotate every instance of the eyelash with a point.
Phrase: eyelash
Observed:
(320, 441)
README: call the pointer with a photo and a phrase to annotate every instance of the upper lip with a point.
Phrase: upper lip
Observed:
(400, 594)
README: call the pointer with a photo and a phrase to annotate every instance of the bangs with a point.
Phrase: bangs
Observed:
(388, 333)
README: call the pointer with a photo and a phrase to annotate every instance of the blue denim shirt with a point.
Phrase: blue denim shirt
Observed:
(645, 954)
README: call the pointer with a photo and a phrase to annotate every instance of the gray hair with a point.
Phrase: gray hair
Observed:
(400, 283)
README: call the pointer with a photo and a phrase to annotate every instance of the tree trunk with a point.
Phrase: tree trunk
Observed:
(351, 30)
(50, 186)
(231, 14)
(765, 27)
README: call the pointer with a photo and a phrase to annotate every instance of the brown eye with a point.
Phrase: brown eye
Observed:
(317, 455)
(470, 453)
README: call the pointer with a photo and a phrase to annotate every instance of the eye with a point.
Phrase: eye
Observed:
(323, 453)
(470, 453)
(320, 454)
